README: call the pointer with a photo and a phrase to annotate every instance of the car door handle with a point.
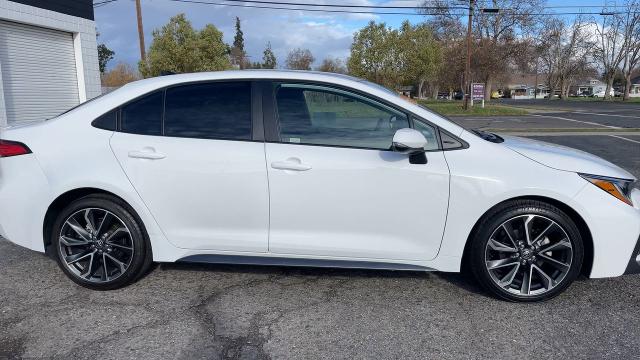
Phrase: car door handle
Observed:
(149, 154)
(291, 164)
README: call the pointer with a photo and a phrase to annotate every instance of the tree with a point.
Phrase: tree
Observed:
(238, 54)
(121, 74)
(497, 37)
(563, 49)
(300, 59)
(374, 55)
(333, 65)
(610, 45)
(268, 58)
(421, 55)
(178, 48)
(632, 51)
(104, 56)
(391, 57)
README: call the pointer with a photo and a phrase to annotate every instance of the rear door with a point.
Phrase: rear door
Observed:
(201, 171)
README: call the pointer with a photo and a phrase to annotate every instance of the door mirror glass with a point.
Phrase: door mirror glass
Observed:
(409, 141)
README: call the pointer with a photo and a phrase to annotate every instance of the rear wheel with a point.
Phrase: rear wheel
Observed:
(526, 251)
(99, 244)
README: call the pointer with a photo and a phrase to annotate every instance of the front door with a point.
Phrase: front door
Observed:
(336, 188)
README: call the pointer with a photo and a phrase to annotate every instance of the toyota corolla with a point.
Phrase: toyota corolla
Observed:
(307, 169)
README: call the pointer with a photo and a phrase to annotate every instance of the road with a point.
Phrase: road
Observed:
(242, 312)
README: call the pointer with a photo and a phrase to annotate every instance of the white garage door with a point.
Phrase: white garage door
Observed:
(38, 72)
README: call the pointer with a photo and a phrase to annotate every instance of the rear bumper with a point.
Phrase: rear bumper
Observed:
(24, 191)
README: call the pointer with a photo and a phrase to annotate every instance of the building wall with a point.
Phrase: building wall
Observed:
(84, 33)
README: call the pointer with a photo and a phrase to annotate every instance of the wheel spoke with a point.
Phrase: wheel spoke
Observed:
(563, 242)
(527, 228)
(120, 246)
(540, 236)
(105, 275)
(119, 230)
(508, 279)
(73, 224)
(123, 266)
(88, 216)
(513, 241)
(89, 273)
(498, 246)
(495, 264)
(553, 261)
(525, 288)
(546, 279)
(101, 225)
(67, 241)
(72, 259)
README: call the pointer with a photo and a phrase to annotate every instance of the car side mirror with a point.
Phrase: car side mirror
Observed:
(409, 141)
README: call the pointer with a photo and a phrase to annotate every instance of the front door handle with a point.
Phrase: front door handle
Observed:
(146, 153)
(293, 164)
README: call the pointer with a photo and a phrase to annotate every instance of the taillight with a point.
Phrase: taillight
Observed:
(13, 148)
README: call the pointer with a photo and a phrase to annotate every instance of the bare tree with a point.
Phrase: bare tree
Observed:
(564, 49)
(333, 65)
(300, 59)
(610, 45)
(632, 40)
(498, 37)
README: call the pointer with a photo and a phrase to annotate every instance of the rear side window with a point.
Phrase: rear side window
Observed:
(107, 121)
(210, 111)
(143, 116)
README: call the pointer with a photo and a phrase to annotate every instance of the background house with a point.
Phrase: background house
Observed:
(587, 87)
(48, 58)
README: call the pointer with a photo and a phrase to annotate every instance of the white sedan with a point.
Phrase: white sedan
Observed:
(307, 169)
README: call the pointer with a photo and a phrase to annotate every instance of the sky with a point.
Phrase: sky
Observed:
(325, 34)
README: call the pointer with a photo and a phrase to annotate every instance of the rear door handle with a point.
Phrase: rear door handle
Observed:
(146, 153)
(293, 164)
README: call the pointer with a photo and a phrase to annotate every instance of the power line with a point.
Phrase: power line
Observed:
(269, 2)
(302, 9)
(102, 3)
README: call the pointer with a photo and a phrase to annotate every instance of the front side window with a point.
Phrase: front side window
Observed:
(143, 116)
(429, 133)
(316, 115)
(210, 111)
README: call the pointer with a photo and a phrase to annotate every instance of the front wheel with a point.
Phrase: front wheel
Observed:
(526, 251)
(100, 244)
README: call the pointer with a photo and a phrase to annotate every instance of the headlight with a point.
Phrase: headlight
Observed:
(619, 188)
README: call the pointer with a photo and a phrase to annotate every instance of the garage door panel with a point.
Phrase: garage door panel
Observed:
(38, 72)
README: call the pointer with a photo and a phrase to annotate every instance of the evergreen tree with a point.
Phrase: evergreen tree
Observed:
(238, 54)
(268, 58)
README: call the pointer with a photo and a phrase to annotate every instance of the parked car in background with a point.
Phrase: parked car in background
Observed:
(601, 94)
(307, 169)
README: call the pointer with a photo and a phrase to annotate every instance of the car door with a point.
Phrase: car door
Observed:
(191, 154)
(336, 188)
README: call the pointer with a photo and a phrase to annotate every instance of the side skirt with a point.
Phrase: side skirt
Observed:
(281, 261)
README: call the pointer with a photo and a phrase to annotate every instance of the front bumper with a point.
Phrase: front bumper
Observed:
(634, 262)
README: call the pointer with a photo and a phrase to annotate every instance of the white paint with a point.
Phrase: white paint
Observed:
(607, 114)
(351, 204)
(624, 138)
(577, 121)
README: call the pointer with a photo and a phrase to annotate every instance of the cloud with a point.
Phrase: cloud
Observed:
(325, 34)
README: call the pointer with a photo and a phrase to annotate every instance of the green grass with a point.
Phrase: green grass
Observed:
(447, 107)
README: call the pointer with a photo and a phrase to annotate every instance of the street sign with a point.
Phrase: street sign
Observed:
(477, 93)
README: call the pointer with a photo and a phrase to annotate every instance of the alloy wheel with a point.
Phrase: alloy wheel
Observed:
(528, 255)
(96, 245)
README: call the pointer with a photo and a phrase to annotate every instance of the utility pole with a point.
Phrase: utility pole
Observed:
(467, 70)
(143, 55)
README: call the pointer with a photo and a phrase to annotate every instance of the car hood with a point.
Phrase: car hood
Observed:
(564, 158)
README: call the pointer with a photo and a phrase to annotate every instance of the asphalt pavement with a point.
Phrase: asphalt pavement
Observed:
(248, 312)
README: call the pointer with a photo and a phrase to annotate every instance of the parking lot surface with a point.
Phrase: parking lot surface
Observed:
(248, 312)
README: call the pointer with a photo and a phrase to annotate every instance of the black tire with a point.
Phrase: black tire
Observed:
(490, 225)
(140, 258)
